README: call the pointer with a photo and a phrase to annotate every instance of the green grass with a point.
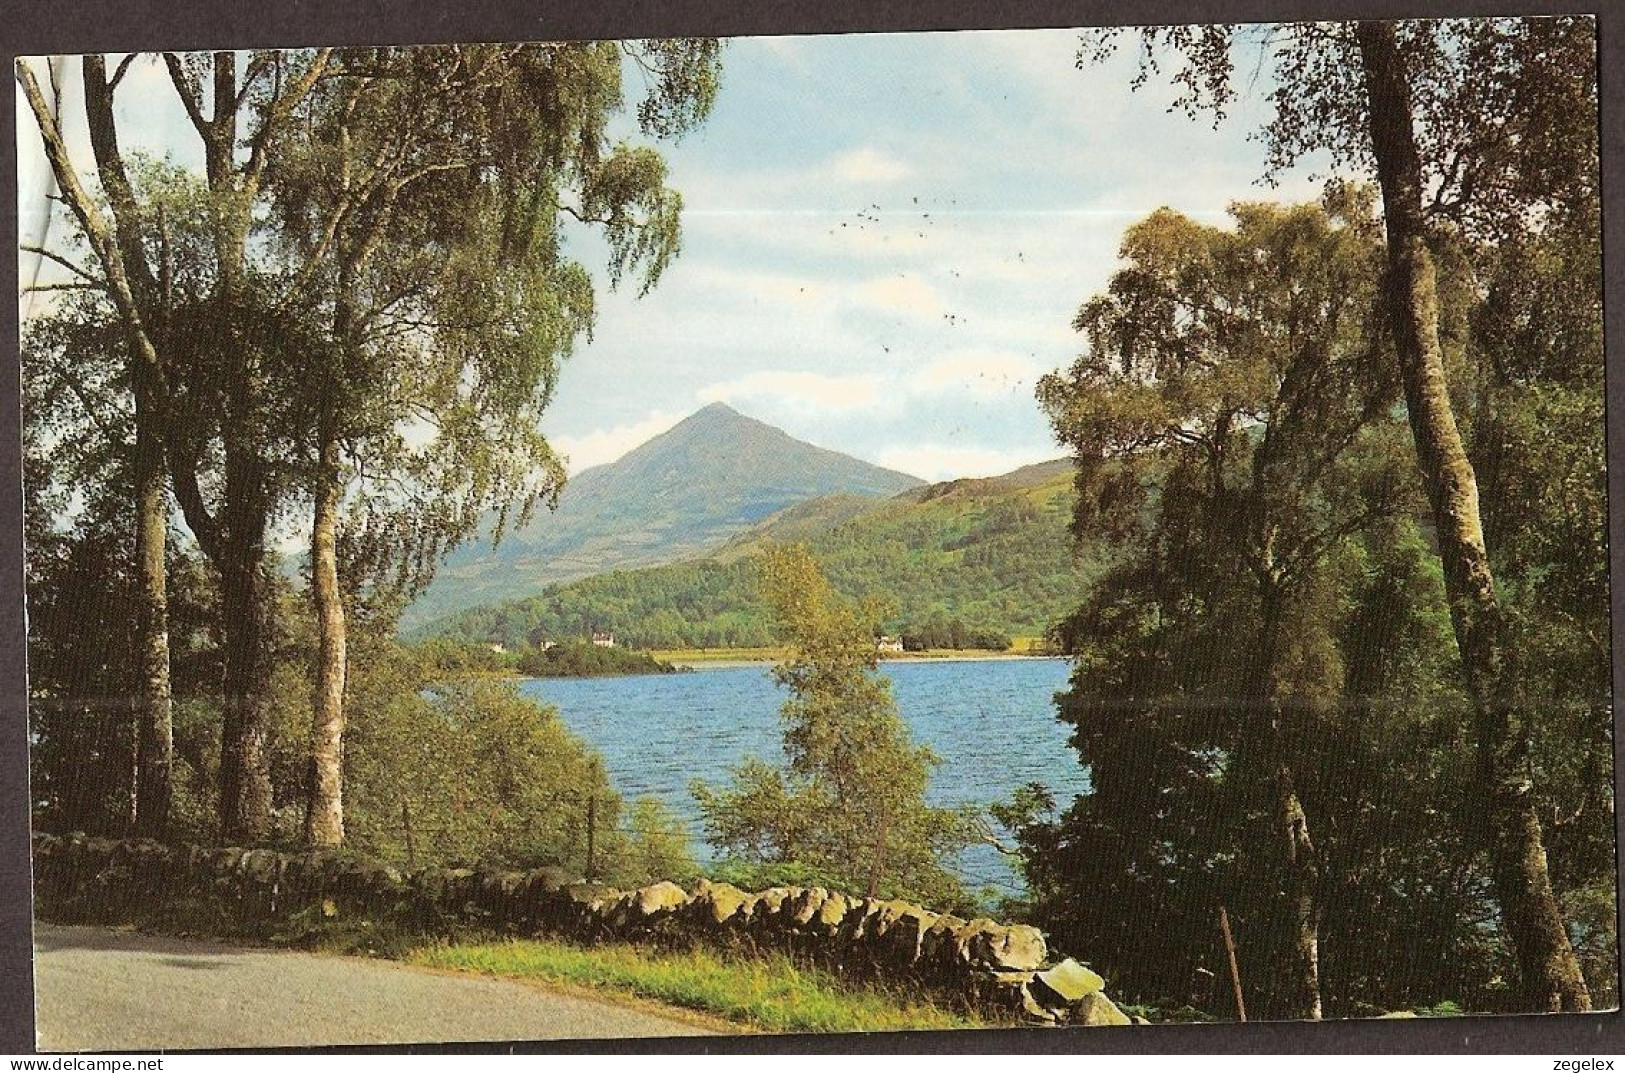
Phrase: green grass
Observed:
(770, 992)
(765, 654)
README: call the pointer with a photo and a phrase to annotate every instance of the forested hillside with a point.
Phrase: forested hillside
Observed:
(994, 554)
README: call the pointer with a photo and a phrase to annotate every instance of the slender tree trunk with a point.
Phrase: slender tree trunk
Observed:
(324, 819)
(1551, 973)
(132, 813)
(119, 248)
(156, 748)
(1298, 857)
(1303, 867)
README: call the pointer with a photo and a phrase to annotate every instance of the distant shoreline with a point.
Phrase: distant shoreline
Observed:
(727, 662)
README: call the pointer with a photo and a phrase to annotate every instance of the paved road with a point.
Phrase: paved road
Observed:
(104, 990)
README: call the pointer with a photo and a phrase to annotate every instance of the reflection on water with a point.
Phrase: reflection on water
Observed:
(991, 721)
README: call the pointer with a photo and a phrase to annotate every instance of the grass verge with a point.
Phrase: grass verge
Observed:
(770, 992)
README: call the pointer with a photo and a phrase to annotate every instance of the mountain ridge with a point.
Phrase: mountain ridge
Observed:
(677, 495)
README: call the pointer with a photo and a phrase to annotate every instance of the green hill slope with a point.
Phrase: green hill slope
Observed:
(994, 554)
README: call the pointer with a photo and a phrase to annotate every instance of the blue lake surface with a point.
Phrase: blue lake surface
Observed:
(991, 721)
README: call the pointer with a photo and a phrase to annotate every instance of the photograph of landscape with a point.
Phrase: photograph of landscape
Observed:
(1050, 529)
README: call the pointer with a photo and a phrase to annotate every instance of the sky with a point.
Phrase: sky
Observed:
(885, 238)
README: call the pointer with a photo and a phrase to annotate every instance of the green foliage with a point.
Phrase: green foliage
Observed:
(1504, 113)
(996, 559)
(850, 801)
(449, 657)
(1446, 1008)
(952, 633)
(1271, 605)
(580, 659)
(656, 848)
(572, 659)
(468, 771)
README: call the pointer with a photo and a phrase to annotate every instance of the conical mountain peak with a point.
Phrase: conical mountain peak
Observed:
(684, 492)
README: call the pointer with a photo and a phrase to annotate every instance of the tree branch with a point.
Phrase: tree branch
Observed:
(189, 494)
(255, 69)
(984, 834)
(189, 98)
(571, 211)
(95, 226)
(93, 411)
(279, 110)
(65, 263)
(41, 288)
(118, 72)
(103, 130)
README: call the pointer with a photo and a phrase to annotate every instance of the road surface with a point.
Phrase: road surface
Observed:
(103, 990)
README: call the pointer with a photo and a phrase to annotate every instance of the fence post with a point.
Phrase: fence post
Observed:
(592, 866)
(1235, 973)
(406, 824)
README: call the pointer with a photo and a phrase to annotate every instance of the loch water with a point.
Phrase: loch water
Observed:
(992, 723)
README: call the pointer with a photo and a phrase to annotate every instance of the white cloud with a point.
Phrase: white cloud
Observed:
(942, 462)
(980, 372)
(780, 290)
(868, 166)
(800, 389)
(608, 444)
(902, 294)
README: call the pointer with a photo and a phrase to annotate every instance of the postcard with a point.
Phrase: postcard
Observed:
(1072, 530)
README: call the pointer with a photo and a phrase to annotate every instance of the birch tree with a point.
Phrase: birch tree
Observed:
(1456, 120)
(381, 245)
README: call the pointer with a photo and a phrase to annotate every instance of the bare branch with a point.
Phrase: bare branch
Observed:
(586, 219)
(188, 96)
(65, 263)
(984, 833)
(39, 288)
(255, 69)
(123, 65)
(95, 226)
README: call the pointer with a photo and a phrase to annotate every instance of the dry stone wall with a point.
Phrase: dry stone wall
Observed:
(979, 963)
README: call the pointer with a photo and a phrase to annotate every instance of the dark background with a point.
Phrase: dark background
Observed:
(67, 26)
